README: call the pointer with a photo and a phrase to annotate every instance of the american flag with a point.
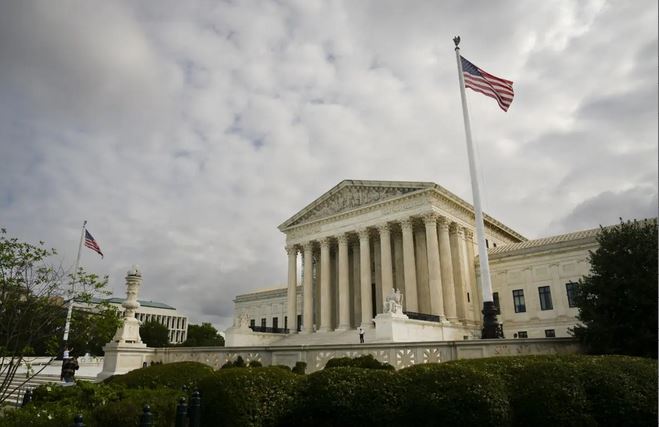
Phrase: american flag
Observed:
(91, 243)
(487, 84)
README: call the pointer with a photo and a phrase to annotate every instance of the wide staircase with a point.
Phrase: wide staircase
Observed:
(49, 375)
(351, 336)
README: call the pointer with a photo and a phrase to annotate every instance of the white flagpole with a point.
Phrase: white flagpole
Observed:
(490, 324)
(69, 312)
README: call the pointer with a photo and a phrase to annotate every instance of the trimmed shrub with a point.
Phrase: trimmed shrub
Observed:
(238, 363)
(366, 362)
(621, 390)
(452, 394)
(299, 368)
(247, 397)
(127, 411)
(255, 364)
(348, 396)
(172, 375)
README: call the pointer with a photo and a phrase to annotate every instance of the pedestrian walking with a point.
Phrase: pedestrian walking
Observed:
(361, 335)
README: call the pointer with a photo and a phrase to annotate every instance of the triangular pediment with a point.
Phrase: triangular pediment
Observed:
(351, 194)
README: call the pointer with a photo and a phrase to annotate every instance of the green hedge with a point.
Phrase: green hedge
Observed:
(348, 396)
(453, 394)
(516, 391)
(367, 362)
(171, 375)
(247, 397)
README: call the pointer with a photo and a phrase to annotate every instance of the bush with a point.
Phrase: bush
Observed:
(127, 411)
(622, 391)
(348, 396)
(453, 394)
(255, 364)
(366, 362)
(299, 368)
(247, 397)
(172, 375)
(238, 363)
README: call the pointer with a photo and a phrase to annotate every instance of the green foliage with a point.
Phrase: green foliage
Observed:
(349, 396)
(204, 335)
(618, 300)
(33, 298)
(127, 411)
(92, 329)
(171, 375)
(238, 363)
(254, 364)
(367, 362)
(154, 334)
(299, 368)
(453, 394)
(247, 397)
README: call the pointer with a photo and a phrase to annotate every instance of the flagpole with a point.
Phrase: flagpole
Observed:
(490, 324)
(69, 312)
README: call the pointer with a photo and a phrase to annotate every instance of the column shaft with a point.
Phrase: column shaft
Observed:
(344, 296)
(446, 264)
(385, 261)
(291, 300)
(365, 282)
(307, 310)
(409, 266)
(434, 273)
(325, 295)
(457, 254)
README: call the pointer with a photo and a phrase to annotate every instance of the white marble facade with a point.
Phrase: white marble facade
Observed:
(356, 243)
(349, 248)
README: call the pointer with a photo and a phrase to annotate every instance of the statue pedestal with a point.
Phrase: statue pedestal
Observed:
(397, 327)
(128, 332)
(123, 357)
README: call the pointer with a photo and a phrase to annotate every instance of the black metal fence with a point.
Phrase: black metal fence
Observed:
(422, 316)
(187, 415)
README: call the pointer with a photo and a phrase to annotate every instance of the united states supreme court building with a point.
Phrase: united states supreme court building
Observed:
(399, 260)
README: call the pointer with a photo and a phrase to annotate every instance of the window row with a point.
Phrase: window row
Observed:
(549, 333)
(544, 293)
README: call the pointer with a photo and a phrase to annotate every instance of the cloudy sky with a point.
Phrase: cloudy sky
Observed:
(185, 132)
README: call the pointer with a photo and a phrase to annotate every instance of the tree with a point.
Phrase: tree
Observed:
(33, 298)
(618, 300)
(92, 328)
(204, 335)
(154, 334)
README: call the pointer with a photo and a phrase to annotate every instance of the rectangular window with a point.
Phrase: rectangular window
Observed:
(468, 297)
(252, 322)
(545, 298)
(522, 334)
(299, 322)
(550, 333)
(494, 244)
(275, 323)
(518, 301)
(285, 322)
(571, 288)
(487, 243)
(263, 322)
(495, 298)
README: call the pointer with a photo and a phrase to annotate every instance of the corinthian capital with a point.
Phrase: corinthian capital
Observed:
(454, 228)
(442, 221)
(430, 218)
(384, 228)
(469, 235)
(325, 242)
(342, 239)
(291, 249)
(363, 233)
(406, 224)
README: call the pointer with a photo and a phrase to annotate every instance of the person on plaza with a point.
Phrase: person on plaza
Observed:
(69, 368)
(361, 335)
(66, 353)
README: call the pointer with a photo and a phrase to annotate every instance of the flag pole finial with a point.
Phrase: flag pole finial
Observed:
(456, 40)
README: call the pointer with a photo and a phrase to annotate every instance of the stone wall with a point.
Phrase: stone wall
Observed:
(400, 355)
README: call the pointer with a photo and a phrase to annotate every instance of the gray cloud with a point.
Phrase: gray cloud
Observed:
(186, 132)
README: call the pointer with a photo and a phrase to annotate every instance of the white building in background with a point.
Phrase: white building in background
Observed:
(365, 245)
(162, 313)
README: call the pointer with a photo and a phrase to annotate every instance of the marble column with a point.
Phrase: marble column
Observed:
(344, 292)
(325, 295)
(457, 254)
(385, 261)
(356, 286)
(409, 266)
(291, 300)
(434, 273)
(365, 273)
(446, 265)
(307, 290)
